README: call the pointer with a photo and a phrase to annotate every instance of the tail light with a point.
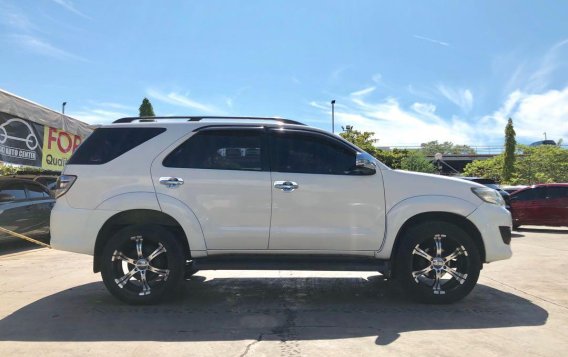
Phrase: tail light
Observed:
(64, 183)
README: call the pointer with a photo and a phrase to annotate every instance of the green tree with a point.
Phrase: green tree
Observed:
(392, 158)
(364, 140)
(533, 164)
(6, 170)
(490, 168)
(416, 161)
(447, 147)
(509, 156)
(541, 164)
(146, 109)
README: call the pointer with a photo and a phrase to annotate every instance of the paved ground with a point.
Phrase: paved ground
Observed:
(51, 304)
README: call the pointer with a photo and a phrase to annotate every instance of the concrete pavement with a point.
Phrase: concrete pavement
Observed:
(52, 304)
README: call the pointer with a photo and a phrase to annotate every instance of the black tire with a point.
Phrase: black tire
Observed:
(417, 274)
(160, 260)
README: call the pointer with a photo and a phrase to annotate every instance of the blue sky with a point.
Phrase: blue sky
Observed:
(411, 71)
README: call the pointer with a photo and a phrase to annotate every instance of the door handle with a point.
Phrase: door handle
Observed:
(171, 182)
(286, 186)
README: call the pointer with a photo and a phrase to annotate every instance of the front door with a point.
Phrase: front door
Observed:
(226, 183)
(317, 201)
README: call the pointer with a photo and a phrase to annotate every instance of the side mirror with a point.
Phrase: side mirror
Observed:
(363, 167)
(5, 197)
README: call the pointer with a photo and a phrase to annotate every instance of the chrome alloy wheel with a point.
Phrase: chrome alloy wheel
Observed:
(148, 270)
(440, 263)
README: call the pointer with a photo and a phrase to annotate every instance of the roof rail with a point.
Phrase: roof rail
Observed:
(199, 118)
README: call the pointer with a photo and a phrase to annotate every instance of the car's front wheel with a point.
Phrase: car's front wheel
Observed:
(142, 264)
(437, 262)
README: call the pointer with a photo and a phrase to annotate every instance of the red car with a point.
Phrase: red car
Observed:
(545, 205)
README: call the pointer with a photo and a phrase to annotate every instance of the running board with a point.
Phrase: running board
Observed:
(291, 262)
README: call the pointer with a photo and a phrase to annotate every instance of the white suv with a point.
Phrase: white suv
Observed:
(156, 199)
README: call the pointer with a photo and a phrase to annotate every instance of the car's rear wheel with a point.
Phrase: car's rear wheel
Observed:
(437, 262)
(142, 264)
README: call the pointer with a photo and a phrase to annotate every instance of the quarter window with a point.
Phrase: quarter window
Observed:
(219, 150)
(301, 152)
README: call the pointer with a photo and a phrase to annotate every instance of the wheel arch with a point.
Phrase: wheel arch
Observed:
(447, 217)
(134, 217)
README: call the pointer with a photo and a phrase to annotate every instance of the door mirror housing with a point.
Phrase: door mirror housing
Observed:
(364, 165)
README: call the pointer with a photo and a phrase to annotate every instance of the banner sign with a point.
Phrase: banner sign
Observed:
(24, 142)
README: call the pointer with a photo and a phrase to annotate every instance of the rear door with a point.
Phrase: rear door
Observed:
(557, 205)
(226, 183)
(328, 208)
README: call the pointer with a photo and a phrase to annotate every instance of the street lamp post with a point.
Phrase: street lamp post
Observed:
(333, 116)
(63, 107)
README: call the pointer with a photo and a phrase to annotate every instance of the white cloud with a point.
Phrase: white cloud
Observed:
(182, 101)
(532, 114)
(39, 46)
(463, 98)
(363, 92)
(68, 5)
(395, 125)
(438, 42)
(99, 115)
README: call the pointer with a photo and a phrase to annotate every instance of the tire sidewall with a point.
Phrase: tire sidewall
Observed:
(404, 260)
(155, 234)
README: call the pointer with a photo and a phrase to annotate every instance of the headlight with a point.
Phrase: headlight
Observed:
(488, 195)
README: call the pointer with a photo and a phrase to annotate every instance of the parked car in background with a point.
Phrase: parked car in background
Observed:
(48, 181)
(545, 205)
(494, 185)
(543, 142)
(25, 207)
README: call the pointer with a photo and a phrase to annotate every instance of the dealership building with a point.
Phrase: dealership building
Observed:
(33, 135)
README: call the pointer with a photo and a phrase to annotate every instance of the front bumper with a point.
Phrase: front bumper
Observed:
(488, 218)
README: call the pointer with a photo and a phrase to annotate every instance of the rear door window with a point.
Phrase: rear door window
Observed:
(220, 149)
(557, 192)
(106, 144)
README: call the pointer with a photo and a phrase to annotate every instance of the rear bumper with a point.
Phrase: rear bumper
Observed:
(75, 230)
(488, 218)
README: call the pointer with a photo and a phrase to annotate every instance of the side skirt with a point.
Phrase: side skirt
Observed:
(291, 262)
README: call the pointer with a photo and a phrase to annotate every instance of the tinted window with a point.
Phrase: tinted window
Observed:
(35, 191)
(15, 191)
(530, 194)
(294, 151)
(557, 192)
(219, 150)
(106, 144)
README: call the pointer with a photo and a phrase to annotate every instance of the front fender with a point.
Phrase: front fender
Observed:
(410, 207)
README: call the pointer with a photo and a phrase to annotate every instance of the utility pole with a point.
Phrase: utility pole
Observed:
(333, 116)
(63, 107)
(544, 135)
